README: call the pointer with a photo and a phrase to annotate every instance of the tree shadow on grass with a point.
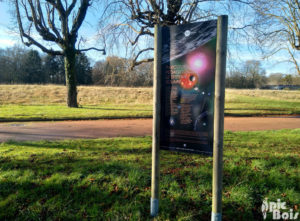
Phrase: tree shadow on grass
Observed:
(71, 201)
(54, 185)
(108, 146)
(272, 179)
(22, 134)
(98, 185)
(258, 109)
(53, 194)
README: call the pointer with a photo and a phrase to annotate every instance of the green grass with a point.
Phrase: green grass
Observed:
(243, 105)
(59, 112)
(109, 179)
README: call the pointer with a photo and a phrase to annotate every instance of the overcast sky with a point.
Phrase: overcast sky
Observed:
(89, 32)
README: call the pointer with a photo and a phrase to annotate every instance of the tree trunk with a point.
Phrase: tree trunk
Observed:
(70, 78)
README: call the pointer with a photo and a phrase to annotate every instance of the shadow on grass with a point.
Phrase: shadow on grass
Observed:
(86, 145)
(54, 192)
(24, 134)
(260, 109)
(109, 179)
(108, 117)
(72, 198)
(70, 201)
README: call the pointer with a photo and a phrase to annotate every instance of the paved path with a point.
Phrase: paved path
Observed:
(122, 128)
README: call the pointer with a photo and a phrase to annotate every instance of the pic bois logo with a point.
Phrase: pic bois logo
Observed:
(278, 211)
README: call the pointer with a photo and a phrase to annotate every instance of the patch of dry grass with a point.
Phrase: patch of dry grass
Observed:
(87, 95)
(287, 95)
(95, 95)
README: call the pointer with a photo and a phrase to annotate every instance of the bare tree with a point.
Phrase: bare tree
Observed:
(114, 71)
(137, 18)
(57, 22)
(271, 25)
(255, 73)
(278, 27)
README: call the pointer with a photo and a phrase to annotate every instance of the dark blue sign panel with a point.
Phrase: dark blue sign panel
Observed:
(187, 96)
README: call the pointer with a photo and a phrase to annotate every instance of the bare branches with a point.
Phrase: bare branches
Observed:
(141, 62)
(154, 13)
(92, 48)
(138, 18)
(242, 27)
(294, 60)
(57, 5)
(135, 62)
(280, 29)
(29, 40)
(79, 17)
(71, 7)
(41, 16)
(191, 10)
(51, 21)
(39, 23)
(142, 32)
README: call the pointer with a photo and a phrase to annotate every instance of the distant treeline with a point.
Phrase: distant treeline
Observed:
(21, 66)
(252, 75)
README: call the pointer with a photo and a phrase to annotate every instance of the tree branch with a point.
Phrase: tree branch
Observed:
(294, 61)
(30, 41)
(51, 22)
(42, 30)
(71, 7)
(135, 62)
(79, 17)
(92, 48)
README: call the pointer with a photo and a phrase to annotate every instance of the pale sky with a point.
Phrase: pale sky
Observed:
(89, 32)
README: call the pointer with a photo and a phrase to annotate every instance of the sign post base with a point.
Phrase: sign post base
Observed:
(216, 216)
(154, 207)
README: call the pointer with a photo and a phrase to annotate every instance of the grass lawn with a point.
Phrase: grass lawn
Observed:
(109, 179)
(59, 112)
(48, 102)
(239, 104)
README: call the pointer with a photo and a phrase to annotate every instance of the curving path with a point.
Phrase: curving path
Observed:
(124, 128)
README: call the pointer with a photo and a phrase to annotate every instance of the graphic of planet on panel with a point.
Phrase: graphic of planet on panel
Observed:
(188, 80)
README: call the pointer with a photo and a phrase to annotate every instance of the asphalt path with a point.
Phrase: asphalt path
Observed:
(90, 129)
